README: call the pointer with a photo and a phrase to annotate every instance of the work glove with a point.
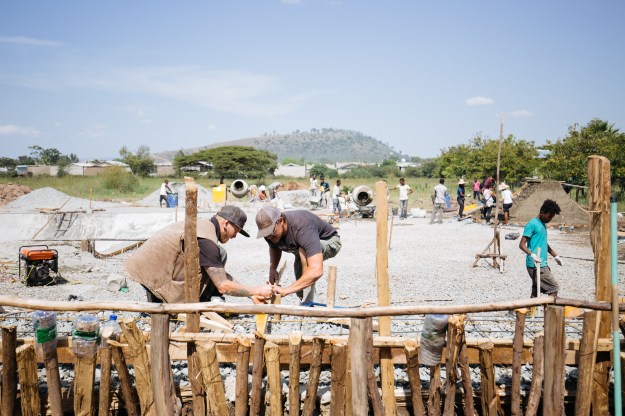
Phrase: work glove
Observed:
(558, 260)
(536, 258)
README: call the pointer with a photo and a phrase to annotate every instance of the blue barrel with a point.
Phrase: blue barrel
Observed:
(172, 200)
(447, 201)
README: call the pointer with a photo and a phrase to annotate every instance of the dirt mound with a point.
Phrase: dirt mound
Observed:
(293, 186)
(10, 192)
(530, 197)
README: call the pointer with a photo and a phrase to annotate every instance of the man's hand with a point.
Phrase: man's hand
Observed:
(279, 290)
(265, 291)
(536, 258)
(258, 300)
(558, 260)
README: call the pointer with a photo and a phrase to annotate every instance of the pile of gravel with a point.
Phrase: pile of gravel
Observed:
(49, 198)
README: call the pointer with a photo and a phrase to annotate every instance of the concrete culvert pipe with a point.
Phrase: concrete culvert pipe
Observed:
(362, 195)
(239, 188)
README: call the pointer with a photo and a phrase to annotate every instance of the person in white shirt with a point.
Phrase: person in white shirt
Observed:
(313, 185)
(336, 198)
(440, 191)
(506, 196)
(165, 189)
(404, 191)
(489, 201)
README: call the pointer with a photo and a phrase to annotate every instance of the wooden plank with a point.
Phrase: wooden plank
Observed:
(331, 286)
(162, 376)
(124, 379)
(84, 375)
(553, 394)
(372, 385)
(214, 385)
(491, 404)
(241, 405)
(272, 359)
(357, 352)
(256, 395)
(9, 371)
(537, 377)
(337, 387)
(141, 363)
(586, 368)
(295, 345)
(434, 395)
(469, 408)
(455, 335)
(29, 383)
(517, 353)
(53, 378)
(104, 401)
(313, 378)
(412, 358)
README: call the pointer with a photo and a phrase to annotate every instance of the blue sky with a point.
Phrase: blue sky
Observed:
(89, 77)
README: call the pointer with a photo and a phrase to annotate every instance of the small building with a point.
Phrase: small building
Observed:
(94, 168)
(164, 169)
(199, 167)
(36, 170)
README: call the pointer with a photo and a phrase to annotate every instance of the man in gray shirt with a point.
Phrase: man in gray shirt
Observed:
(304, 234)
(440, 192)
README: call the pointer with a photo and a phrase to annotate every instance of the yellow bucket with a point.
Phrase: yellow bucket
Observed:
(219, 193)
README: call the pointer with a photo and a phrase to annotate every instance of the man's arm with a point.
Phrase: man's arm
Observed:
(523, 246)
(312, 270)
(227, 285)
(274, 260)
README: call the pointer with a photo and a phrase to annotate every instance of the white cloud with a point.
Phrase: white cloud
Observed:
(94, 131)
(13, 130)
(520, 113)
(23, 40)
(479, 100)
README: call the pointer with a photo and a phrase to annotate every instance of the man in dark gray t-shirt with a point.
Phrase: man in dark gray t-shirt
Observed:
(304, 234)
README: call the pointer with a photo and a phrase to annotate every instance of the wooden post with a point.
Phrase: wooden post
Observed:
(192, 292)
(124, 379)
(207, 354)
(256, 396)
(553, 395)
(469, 408)
(599, 188)
(272, 357)
(162, 377)
(141, 363)
(586, 366)
(51, 362)
(84, 374)
(331, 286)
(29, 383)
(372, 384)
(454, 336)
(313, 377)
(490, 399)
(295, 345)
(434, 395)
(357, 353)
(104, 400)
(243, 367)
(412, 361)
(337, 388)
(537, 377)
(348, 384)
(9, 370)
(387, 371)
(517, 353)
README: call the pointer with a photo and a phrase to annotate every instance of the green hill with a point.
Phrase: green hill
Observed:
(317, 145)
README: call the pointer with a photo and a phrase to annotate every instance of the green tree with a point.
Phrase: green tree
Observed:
(322, 170)
(141, 163)
(233, 162)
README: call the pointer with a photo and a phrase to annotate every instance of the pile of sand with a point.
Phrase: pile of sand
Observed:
(10, 192)
(293, 186)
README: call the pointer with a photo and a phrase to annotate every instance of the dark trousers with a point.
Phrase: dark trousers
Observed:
(461, 204)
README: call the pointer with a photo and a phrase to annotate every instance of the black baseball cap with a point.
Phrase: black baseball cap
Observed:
(236, 216)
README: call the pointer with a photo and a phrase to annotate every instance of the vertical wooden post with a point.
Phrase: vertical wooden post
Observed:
(348, 384)
(207, 355)
(313, 377)
(387, 371)
(124, 379)
(491, 405)
(599, 188)
(455, 335)
(434, 395)
(84, 374)
(331, 286)
(412, 361)
(51, 362)
(9, 370)
(372, 385)
(192, 292)
(517, 355)
(272, 358)
(162, 377)
(29, 383)
(256, 396)
(141, 363)
(337, 388)
(104, 401)
(537, 377)
(553, 398)
(357, 351)
(469, 408)
(243, 367)
(586, 363)
(295, 345)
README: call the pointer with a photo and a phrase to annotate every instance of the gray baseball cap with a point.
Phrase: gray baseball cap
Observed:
(236, 216)
(266, 220)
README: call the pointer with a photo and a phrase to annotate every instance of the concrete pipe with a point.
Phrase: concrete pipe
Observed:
(362, 195)
(239, 188)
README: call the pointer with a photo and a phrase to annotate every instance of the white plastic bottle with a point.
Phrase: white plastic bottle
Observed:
(433, 339)
(110, 330)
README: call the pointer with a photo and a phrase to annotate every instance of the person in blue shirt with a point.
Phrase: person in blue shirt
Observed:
(534, 237)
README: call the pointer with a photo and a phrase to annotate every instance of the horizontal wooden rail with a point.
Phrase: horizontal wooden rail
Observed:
(174, 308)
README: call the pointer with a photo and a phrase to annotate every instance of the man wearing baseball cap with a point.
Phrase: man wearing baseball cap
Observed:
(304, 234)
(159, 263)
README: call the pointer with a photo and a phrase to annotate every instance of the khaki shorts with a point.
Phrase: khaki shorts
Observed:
(548, 284)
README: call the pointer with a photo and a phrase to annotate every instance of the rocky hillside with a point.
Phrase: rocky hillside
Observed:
(317, 145)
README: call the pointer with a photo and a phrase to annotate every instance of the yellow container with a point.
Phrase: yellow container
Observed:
(219, 193)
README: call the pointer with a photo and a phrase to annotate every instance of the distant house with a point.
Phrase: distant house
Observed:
(94, 168)
(403, 165)
(164, 169)
(199, 166)
(36, 170)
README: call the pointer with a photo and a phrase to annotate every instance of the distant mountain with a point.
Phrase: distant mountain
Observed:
(317, 145)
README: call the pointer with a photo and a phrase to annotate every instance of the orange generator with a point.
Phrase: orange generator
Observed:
(39, 265)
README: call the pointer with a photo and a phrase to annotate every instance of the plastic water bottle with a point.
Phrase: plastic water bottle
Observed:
(110, 330)
(433, 339)
(44, 323)
(85, 335)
